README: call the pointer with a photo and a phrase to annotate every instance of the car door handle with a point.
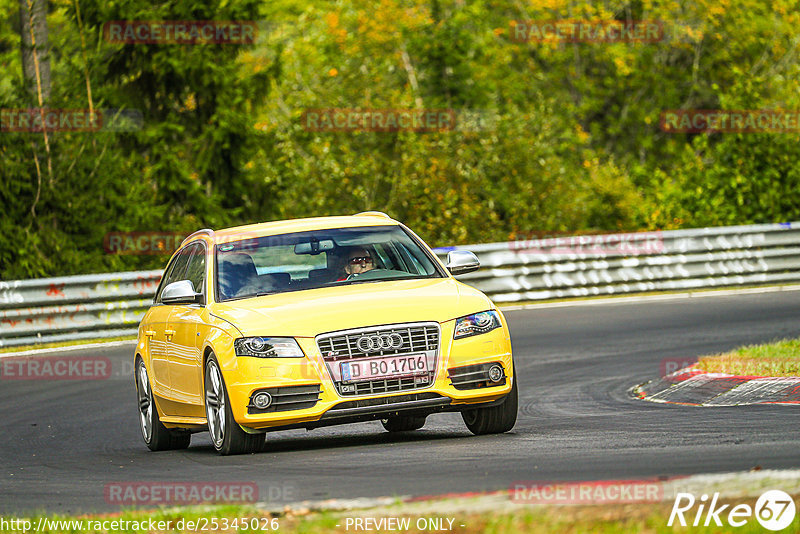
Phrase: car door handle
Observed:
(169, 333)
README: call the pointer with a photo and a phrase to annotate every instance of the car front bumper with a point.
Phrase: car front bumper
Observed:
(291, 380)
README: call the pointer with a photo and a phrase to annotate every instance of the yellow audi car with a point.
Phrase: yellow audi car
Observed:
(315, 322)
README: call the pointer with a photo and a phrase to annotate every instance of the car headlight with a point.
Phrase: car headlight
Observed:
(477, 323)
(268, 347)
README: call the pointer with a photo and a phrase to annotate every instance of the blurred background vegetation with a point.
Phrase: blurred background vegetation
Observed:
(574, 144)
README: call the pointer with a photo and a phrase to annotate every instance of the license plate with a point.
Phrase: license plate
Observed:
(388, 367)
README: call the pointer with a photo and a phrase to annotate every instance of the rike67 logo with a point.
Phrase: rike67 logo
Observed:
(774, 510)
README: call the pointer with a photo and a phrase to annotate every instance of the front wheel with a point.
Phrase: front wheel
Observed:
(155, 434)
(226, 434)
(495, 419)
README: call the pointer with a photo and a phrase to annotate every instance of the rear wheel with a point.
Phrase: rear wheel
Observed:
(403, 423)
(226, 434)
(495, 419)
(155, 434)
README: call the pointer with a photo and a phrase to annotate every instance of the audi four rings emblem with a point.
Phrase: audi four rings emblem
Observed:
(379, 342)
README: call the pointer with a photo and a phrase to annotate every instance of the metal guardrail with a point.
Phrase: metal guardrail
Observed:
(110, 305)
(74, 307)
(583, 266)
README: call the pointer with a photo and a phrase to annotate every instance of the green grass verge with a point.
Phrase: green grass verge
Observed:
(610, 519)
(22, 348)
(780, 358)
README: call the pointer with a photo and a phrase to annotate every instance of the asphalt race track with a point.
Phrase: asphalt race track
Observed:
(63, 441)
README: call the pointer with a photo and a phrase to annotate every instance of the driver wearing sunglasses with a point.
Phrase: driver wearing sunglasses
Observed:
(358, 261)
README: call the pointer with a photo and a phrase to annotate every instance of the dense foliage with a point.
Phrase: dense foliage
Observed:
(569, 139)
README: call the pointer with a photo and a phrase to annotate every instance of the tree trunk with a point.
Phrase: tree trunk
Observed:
(33, 13)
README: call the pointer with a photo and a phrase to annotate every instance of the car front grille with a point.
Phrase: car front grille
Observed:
(417, 338)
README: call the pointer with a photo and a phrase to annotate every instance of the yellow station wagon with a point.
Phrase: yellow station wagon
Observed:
(315, 322)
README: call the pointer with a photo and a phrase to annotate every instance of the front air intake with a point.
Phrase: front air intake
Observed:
(477, 376)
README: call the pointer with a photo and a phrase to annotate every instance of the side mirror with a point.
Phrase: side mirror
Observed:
(180, 292)
(461, 262)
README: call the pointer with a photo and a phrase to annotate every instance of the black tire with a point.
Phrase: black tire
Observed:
(226, 435)
(403, 423)
(495, 419)
(156, 436)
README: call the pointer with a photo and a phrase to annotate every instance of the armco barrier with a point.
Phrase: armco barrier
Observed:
(74, 307)
(105, 305)
(672, 260)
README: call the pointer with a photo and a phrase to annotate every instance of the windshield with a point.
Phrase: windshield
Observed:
(319, 258)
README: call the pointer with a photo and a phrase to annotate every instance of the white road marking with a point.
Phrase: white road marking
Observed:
(131, 342)
(651, 298)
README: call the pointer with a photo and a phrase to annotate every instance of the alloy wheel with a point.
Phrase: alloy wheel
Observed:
(145, 403)
(215, 404)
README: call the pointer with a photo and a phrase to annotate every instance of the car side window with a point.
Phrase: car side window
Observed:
(196, 269)
(175, 271)
(409, 258)
(384, 255)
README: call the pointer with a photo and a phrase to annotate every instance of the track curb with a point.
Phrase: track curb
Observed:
(693, 387)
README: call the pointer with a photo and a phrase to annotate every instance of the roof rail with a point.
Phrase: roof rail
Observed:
(205, 231)
(372, 214)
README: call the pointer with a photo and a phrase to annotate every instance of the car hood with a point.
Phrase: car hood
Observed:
(314, 311)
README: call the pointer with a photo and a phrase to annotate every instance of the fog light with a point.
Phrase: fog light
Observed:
(262, 400)
(495, 373)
